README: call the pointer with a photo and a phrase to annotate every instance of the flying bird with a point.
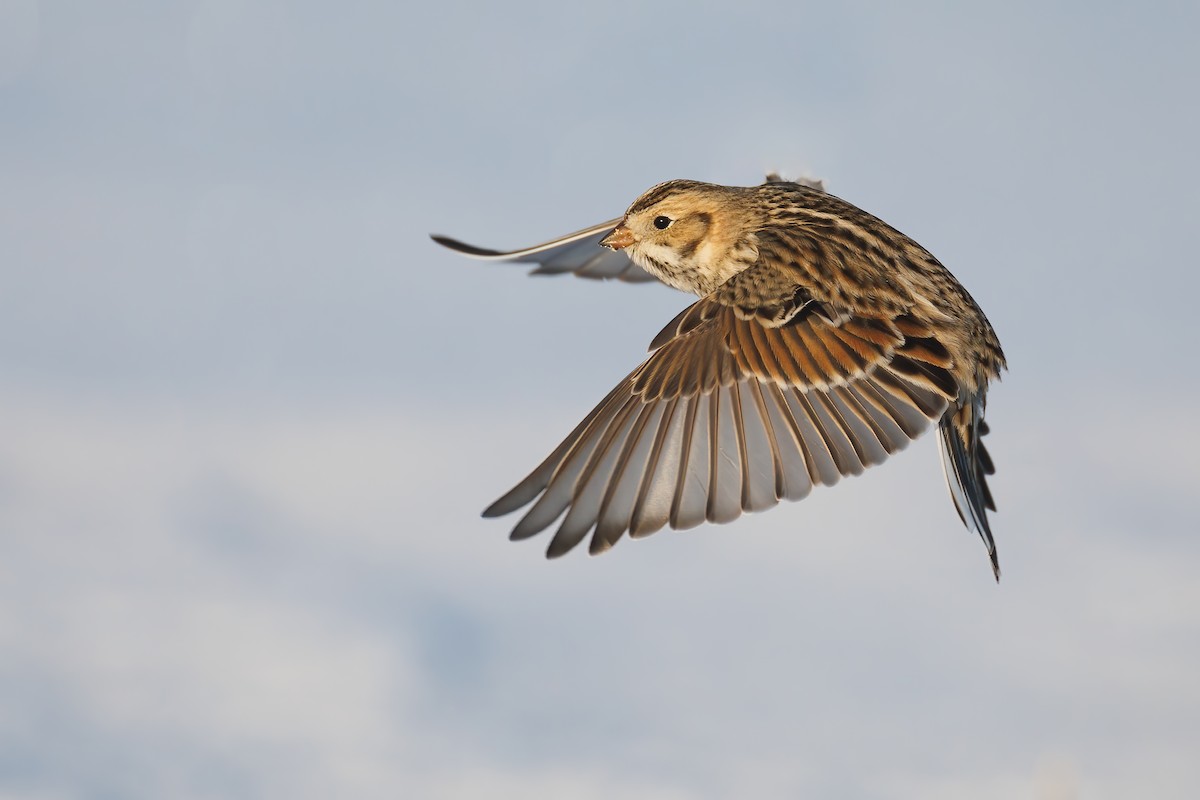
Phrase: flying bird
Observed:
(823, 341)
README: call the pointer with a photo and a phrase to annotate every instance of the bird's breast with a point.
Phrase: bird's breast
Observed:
(700, 272)
(666, 265)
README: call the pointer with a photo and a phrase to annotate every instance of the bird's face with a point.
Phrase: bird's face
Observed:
(683, 233)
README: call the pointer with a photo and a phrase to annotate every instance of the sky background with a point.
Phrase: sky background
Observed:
(251, 413)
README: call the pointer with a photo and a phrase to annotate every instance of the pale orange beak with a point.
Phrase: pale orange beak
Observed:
(621, 237)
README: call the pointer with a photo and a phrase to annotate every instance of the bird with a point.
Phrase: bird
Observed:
(823, 341)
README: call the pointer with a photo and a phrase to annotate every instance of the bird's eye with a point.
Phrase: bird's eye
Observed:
(662, 223)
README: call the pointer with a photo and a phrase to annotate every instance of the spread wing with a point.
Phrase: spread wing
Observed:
(734, 413)
(580, 252)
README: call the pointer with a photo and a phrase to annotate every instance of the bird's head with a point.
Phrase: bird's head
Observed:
(691, 235)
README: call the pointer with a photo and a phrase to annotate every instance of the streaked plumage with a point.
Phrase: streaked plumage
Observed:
(823, 341)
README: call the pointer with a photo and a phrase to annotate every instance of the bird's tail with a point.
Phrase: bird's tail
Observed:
(967, 464)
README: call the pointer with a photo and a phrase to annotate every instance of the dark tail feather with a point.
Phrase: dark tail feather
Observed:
(967, 464)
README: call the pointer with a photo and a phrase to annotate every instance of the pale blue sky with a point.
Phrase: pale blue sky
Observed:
(253, 412)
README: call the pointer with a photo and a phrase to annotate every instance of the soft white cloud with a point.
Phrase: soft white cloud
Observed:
(306, 602)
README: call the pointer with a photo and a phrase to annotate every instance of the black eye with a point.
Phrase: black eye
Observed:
(662, 223)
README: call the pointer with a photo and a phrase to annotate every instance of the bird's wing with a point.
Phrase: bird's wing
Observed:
(732, 413)
(579, 253)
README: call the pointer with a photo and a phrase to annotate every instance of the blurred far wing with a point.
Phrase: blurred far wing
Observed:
(578, 253)
(811, 183)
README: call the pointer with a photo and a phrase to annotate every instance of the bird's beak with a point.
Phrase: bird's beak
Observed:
(620, 237)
